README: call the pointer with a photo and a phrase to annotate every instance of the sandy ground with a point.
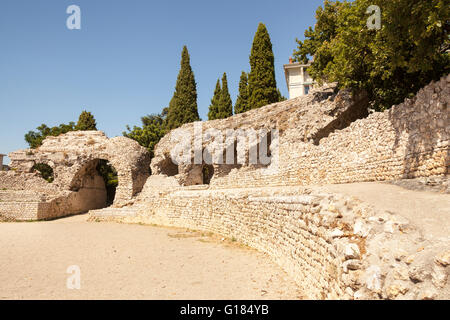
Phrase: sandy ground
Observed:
(119, 261)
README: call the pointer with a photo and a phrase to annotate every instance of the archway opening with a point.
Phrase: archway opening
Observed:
(208, 173)
(168, 167)
(109, 175)
(94, 185)
(45, 170)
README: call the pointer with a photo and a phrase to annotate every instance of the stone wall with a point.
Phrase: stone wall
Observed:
(1, 162)
(26, 204)
(307, 119)
(13, 180)
(320, 141)
(333, 246)
(407, 141)
(328, 243)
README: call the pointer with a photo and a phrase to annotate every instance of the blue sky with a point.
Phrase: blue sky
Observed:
(124, 61)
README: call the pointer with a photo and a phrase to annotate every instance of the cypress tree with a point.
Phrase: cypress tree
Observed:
(225, 105)
(183, 106)
(215, 101)
(242, 99)
(261, 82)
(86, 122)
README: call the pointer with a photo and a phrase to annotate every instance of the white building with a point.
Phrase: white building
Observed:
(298, 80)
(1, 161)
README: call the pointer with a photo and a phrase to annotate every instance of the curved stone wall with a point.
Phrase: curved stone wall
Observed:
(332, 245)
(311, 118)
(409, 140)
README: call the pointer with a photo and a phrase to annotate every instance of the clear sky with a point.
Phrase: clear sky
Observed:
(124, 61)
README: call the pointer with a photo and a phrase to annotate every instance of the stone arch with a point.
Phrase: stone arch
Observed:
(74, 154)
(88, 187)
(128, 183)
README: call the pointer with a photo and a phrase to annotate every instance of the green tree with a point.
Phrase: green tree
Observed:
(242, 99)
(324, 30)
(45, 170)
(35, 138)
(86, 122)
(225, 105)
(109, 175)
(215, 102)
(221, 105)
(183, 106)
(391, 63)
(152, 130)
(262, 85)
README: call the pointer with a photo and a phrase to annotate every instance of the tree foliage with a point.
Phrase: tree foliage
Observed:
(183, 106)
(242, 99)
(86, 122)
(35, 138)
(221, 105)
(262, 86)
(391, 63)
(280, 96)
(226, 105)
(153, 128)
(45, 170)
(215, 102)
(109, 175)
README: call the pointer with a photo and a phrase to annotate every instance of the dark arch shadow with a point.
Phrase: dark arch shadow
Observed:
(45, 170)
(110, 178)
(96, 183)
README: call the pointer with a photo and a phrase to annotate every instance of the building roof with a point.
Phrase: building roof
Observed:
(295, 65)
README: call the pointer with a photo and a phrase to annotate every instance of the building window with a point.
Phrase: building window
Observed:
(306, 89)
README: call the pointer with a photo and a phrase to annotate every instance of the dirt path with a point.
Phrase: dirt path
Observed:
(120, 261)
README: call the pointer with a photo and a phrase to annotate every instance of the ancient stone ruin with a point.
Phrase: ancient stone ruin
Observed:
(77, 186)
(332, 244)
